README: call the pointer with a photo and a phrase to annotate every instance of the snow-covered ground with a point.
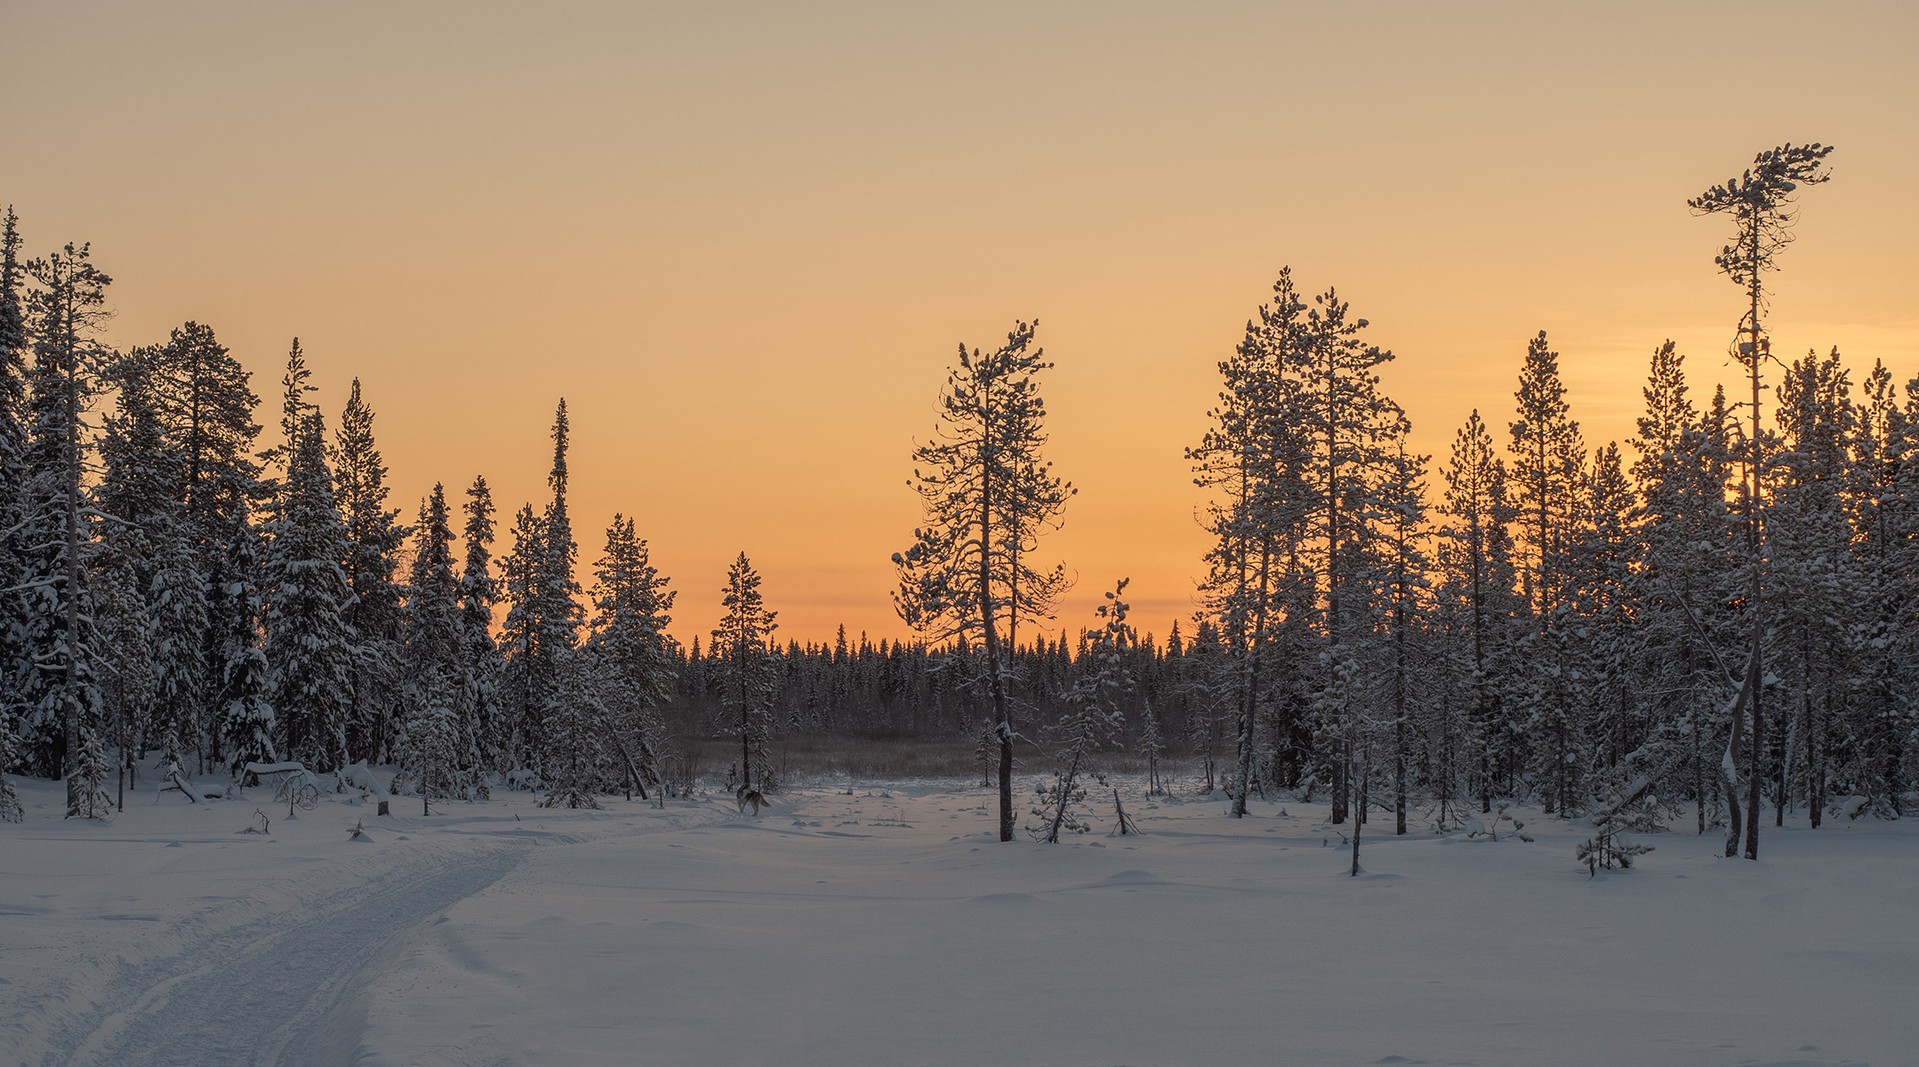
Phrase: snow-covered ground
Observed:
(884, 925)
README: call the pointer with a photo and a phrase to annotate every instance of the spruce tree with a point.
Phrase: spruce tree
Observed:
(247, 724)
(479, 705)
(15, 664)
(309, 646)
(631, 650)
(295, 384)
(1883, 579)
(62, 695)
(88, 780)
(177, 616)
(543, 618)
(746, 673)
(433, 748)
(526, 673)
(373, 541)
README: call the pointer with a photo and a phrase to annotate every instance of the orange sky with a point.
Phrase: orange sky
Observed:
(743, 240)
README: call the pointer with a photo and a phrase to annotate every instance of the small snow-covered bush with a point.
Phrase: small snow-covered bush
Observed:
(1608, 847)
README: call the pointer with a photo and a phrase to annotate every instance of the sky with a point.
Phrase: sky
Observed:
(745, 240)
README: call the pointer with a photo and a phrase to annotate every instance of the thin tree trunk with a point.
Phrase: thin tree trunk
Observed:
(1757, 667)
(1249, 707)
(70, 761)
(1359, 823)
(995, 684)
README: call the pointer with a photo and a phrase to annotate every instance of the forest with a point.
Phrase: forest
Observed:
(1717, 619)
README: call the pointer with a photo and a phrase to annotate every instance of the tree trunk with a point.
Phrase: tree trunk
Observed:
(1358, 824)
(70, 762)
(1249, 708)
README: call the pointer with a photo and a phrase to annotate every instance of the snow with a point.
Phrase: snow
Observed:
(883, 924)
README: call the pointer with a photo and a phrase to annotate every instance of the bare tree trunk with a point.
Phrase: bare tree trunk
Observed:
(70, 763)
(1065, 797)
(1754, 772)
(995, 684)
(1815, 776)
(1359, 823)
(1699, 775)
(1249, 709)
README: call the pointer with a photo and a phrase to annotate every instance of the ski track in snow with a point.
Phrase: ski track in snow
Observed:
(281, 972)
(266, 993)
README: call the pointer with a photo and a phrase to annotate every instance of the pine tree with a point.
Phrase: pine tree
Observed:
(206, 401)
(1400, 566)
(1353, 430)
(1759, 201)
(1254, 458)
(1475, 557)
(1548, 472)
(986, 492)
(1548, 461)
(746, 674)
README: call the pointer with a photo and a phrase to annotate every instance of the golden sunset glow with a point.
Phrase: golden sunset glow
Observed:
(744, 240)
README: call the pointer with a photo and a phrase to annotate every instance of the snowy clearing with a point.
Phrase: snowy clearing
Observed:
(885, 926)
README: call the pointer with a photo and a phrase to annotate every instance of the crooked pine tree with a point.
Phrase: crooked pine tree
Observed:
(987, 492)
(1759, 200)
